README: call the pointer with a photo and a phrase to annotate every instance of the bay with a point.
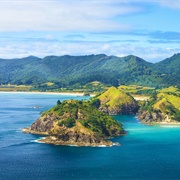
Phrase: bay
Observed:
(146, 152)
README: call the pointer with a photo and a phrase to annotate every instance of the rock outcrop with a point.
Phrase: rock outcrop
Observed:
(155, 118)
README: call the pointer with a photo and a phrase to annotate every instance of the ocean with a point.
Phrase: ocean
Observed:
(146, 152)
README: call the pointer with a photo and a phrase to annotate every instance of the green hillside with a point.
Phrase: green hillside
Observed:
(135, 89)
(114, 101)
(68, 71)
(169, 70)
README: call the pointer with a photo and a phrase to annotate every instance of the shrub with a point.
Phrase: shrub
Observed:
(58, 102)
(70, 122)
(177, 115)
(95, 102)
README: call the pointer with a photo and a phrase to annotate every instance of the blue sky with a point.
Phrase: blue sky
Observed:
(149, 29)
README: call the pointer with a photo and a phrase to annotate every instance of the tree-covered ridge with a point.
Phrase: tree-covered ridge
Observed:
(73, 71)
(169, 70)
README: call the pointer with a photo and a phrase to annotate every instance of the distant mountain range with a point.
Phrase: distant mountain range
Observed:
(69, 70)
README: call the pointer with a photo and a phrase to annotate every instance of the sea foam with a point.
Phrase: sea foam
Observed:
(38, 140)
(169, 126)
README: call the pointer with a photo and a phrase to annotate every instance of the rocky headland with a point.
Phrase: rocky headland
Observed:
(156, 118)
(76, 123)
(162, 108)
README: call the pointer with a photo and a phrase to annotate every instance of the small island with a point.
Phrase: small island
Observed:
(77, 123)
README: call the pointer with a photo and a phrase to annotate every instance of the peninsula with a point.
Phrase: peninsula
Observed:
(162, 108)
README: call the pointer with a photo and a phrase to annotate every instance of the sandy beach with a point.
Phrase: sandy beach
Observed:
(169, 123)
(49, 93)
(140, 98)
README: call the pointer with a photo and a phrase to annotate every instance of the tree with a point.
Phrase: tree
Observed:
(58, 102)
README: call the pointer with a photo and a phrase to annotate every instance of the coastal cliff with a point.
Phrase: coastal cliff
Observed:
(162, 108)
(115, 101)
(76, 123)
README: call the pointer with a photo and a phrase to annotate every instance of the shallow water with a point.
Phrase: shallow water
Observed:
(146, 152)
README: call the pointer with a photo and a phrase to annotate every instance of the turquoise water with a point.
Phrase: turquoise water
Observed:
(146, 152)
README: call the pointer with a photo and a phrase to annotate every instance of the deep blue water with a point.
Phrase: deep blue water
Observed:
(146, 152)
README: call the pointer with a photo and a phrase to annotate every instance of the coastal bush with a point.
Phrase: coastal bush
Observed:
(58, 102)
(102, 124)
(61, 112)
(90, 117)
(148, 105)
(177, 115)
(69, 122)
(95, 102)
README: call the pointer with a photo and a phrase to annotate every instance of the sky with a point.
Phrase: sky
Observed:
(149, 29)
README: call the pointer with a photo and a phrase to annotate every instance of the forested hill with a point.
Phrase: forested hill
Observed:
(68, 70)
(169, 70)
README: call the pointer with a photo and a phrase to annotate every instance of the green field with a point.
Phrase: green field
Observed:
(10, 87)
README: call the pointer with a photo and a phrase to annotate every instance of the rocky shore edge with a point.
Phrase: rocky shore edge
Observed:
(48, 139)
(156, 119)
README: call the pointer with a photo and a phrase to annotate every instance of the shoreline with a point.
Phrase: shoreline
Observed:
(160, 123)
(167, 123)
(55, 141)
(48, 93)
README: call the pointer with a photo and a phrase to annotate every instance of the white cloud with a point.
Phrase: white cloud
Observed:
(82, 20)
(76, 16)
(62, 15)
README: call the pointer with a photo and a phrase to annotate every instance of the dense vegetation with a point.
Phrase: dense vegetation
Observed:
(68, 113)
(169, 70)
(164, 102)
(75, 72)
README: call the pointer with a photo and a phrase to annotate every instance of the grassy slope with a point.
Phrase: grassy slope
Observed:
(113, 97)
(134, 89)
(174, 100)
(169, 89)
